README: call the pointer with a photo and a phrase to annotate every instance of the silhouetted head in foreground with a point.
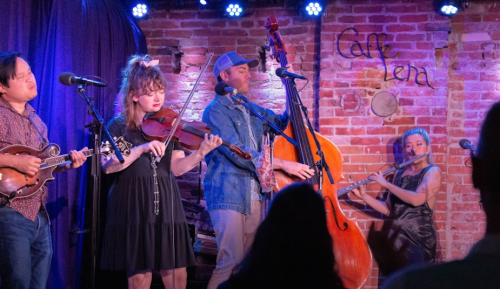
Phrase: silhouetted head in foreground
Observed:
(486, 168)
(292, 247)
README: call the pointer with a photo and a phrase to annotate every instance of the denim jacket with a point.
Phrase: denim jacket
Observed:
(227, 181)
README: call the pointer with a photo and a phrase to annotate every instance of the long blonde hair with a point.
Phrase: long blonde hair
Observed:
(426, 137)
(138, 78)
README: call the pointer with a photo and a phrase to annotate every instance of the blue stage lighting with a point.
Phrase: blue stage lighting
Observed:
(234, 10)
(203, 2)
(448, 8)
(140, 10)
(314, 9)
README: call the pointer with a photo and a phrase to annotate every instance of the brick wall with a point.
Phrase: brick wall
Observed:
(461, 57)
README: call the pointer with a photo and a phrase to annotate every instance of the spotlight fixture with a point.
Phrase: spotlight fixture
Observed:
(447, 7)
(234, 10)
(313, 8)
(140, 10)
(203, 2)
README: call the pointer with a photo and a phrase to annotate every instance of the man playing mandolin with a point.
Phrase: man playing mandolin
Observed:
(25, 240)
(232, 188)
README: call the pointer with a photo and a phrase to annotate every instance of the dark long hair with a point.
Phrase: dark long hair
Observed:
(292, 247)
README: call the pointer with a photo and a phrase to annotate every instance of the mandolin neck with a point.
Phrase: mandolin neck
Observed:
(55, 161)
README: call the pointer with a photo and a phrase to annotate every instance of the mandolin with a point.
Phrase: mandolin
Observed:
(15, 184)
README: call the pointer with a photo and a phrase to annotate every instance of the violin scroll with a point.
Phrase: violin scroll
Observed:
(237, 150)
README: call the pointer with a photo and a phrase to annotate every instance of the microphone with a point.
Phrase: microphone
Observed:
(283, 73)
(465, 144)
(222, 88)
(69, 79)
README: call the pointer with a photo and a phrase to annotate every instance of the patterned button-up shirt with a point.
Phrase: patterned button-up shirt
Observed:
(29, 130)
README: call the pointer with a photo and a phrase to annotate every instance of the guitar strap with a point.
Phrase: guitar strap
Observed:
(45, 141)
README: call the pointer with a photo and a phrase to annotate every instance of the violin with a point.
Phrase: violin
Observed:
(160, 125)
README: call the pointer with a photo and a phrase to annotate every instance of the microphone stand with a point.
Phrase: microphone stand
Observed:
(276, 130)
(98, 127)
(321, 164)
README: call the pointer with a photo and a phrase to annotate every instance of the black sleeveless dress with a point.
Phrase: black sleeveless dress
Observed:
(135, 238)
(416, 223)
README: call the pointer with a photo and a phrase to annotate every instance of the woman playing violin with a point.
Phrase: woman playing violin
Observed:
(145, 218)
(411, 199)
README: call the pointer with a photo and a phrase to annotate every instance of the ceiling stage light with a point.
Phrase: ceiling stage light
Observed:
(314, 8)
(447, 7)
(140, 10)
(234, 10)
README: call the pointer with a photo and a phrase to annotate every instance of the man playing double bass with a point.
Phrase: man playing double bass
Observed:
(232, 188)
(25, 240)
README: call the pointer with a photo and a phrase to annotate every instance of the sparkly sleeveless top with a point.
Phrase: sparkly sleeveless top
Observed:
(416, 223)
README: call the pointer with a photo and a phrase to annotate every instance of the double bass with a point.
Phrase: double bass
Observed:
(352, 255)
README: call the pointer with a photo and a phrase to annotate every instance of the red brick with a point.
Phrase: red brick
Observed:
(401, 121)
(464, 18)
(490, 95)
(414, 18)
(458, 170)
(222, 41)
(490, 76)
(369, 28)
(165, 24)
(410, 37)
(352, 19)
(365, 141)
(178, 33)
(195, 51)
(364, 159)
(367, 9)
(193, 59)
(384, 130)
(424, 45)
(350, 131)
(401, 9)
(182, 15)
(153, 34)
(353, 168)
(382, 19)
(207, 14)
(400, 28)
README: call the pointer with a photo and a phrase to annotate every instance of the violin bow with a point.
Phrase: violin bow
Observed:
(184, 107)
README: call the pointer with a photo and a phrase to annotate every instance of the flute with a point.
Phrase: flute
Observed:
(395, 167)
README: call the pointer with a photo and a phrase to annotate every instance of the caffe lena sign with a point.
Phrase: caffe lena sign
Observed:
(381, 51)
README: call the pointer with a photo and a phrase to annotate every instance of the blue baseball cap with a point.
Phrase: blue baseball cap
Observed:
(231, 59)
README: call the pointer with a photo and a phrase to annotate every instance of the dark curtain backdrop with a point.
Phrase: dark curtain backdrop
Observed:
(87, 37)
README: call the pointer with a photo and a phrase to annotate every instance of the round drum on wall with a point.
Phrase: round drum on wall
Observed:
(384, 104)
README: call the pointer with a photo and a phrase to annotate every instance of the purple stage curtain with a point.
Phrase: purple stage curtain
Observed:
(87, 37)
